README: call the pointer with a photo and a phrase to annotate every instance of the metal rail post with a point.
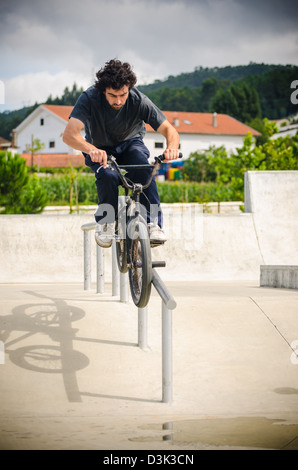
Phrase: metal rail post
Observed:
(99, 270)
(115, 272)
(123, 287)
(87, 260)
(168, 304)
(142, 327)
(167, 373)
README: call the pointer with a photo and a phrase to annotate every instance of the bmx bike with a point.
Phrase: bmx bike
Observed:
(133, 247)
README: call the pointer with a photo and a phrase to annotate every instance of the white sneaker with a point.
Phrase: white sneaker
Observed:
(156, 233)
(104, 234)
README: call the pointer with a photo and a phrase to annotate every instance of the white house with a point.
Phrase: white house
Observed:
(290, 130)
(46, 123)
(197, 131)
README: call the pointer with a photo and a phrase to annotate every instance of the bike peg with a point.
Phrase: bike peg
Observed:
(158, 264)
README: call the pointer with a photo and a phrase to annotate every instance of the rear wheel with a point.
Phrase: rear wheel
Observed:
(140, 272)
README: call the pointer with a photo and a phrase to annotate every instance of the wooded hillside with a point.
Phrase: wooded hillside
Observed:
(247, 92)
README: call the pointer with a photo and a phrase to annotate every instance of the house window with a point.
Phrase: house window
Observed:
(42, 122)
(158, 145)
(52, 144)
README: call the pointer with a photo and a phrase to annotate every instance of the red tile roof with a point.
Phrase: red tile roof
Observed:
(189, 123)
(60, 110)
(202, 123)
(5, 142)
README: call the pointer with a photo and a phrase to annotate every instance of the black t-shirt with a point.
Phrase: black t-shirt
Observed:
(107, 127)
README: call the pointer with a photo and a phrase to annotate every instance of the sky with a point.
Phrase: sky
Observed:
(47, 45)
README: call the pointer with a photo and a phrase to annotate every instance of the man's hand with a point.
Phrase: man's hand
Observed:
(171, 154)
(172, 137)
(72, 137)
(99, 156)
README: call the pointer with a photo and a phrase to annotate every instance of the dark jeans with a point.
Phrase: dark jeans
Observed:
(130, 152)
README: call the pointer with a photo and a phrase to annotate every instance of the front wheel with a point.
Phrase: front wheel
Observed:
(140, 272)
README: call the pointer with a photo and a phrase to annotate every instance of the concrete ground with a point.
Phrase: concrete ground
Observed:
(73, 377)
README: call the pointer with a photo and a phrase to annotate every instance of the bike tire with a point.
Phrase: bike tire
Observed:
(140, 271)
(121, 243)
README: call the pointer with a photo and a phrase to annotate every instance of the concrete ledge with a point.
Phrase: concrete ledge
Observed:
(50, 248)
(279, 276)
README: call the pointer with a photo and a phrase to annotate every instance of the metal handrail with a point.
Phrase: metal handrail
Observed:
(168, 304)
(87, 260)
(90, 226)
(165, 295)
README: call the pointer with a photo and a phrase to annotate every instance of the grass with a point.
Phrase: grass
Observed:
(60, 188)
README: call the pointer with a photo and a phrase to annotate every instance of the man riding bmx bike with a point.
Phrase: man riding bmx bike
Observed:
(113, 113)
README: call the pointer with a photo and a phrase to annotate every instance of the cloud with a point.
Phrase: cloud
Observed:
(25, 90)
(44, 42)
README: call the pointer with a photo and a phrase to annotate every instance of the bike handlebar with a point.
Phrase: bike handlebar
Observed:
(162, 157)
(136, 186)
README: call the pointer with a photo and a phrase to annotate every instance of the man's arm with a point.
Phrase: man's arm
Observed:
(72, 136)
(172, 137)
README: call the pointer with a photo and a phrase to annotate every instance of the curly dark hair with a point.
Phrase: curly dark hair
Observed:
(115, 74)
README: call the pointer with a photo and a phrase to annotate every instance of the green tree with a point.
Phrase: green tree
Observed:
(32, 199)
(216, 165)
(247, 157)
(36, 146)
(224, 102)
(72, 178)
(239, 101)
(265, 127)
(281, 153)
(68, 98)
(205, 166)
(19, 193)
(248, 102)
(206, 93)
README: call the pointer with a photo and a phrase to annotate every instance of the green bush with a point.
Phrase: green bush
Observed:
(20, 193)
(33, 198)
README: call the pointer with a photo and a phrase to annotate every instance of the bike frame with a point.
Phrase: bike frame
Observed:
(133, 247)
(132, 238)
(135, 188)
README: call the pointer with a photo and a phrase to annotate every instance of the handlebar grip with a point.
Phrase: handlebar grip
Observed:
(162, 157)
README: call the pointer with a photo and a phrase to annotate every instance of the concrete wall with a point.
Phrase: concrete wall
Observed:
(48, 248)
(272, 198)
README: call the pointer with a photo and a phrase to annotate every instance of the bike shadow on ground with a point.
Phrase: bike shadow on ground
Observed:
(54, 318)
